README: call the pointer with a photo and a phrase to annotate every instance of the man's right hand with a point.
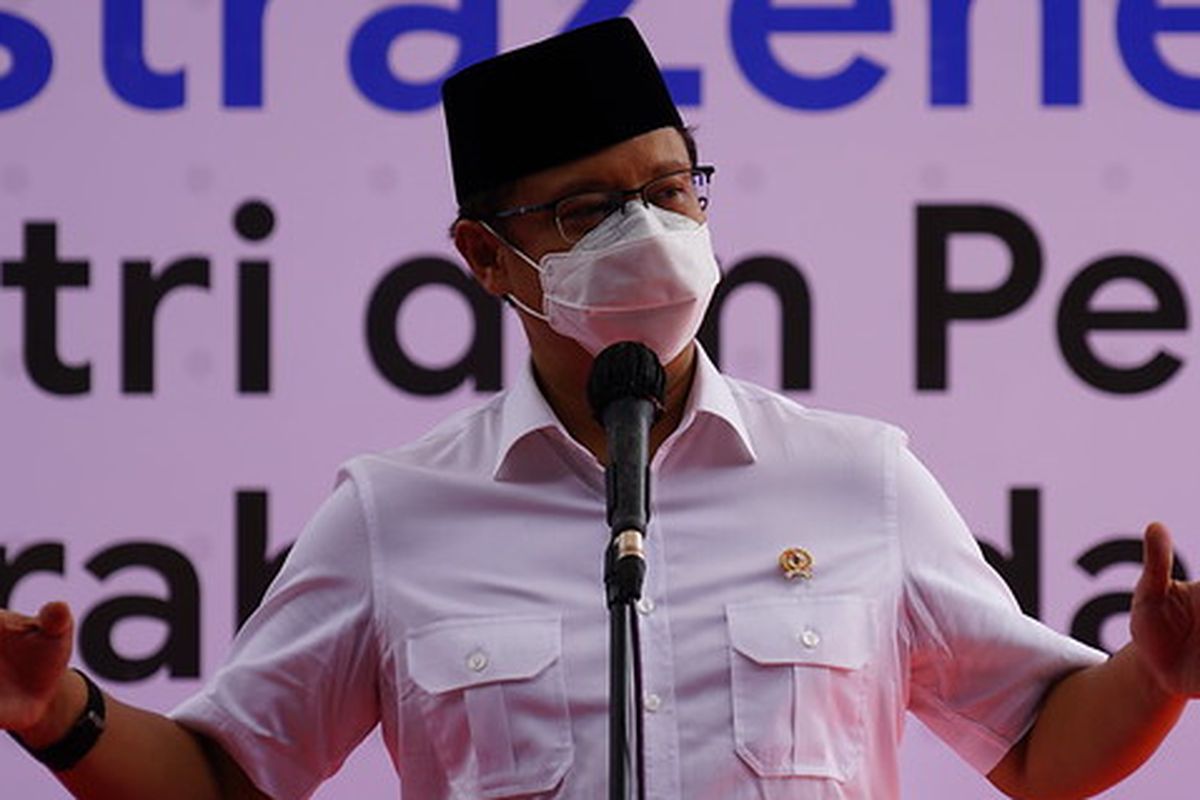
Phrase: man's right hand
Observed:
(34, 652)
(141, 754)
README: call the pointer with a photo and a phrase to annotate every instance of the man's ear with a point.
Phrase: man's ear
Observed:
(484, 254)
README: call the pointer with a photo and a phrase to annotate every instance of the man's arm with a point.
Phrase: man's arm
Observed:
(1095, 727)
(1099, 724)
(139, 755)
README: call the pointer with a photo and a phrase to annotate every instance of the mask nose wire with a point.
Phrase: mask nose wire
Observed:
(630, 200)
(635, 204)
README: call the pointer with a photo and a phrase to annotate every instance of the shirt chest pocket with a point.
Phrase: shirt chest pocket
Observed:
(493, 696)
(799, 684)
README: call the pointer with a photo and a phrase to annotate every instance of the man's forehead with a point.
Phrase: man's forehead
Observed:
(624, 165)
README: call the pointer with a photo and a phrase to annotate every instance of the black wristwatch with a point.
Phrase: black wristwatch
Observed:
(80, 739)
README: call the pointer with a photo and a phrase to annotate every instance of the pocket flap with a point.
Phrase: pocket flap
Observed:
(829, 631)
(454, 654)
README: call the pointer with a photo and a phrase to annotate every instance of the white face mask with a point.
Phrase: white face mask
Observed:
(644, 274)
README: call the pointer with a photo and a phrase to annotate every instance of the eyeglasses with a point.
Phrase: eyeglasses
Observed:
(684, 192)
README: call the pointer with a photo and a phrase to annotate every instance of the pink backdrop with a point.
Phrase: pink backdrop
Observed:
(358, 188)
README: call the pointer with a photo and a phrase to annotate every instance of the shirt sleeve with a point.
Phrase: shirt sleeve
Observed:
(300, 688)
(978, 666)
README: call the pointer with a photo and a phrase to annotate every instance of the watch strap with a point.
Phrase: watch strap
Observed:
(80, 738)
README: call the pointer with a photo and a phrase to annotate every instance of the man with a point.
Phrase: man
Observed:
(451, 590)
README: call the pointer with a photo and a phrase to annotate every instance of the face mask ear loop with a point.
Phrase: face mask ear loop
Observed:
(512, 300)
(509, 297)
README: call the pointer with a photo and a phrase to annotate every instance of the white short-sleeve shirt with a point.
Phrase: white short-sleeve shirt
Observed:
(452, 591)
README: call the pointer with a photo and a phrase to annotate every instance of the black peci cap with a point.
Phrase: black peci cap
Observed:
(552, 102)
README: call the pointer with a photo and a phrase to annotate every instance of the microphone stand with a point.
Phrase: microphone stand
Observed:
(624, 574)
(625, 390)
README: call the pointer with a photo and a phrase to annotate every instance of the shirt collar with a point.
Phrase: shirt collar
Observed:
(712, 397)
(525, 412)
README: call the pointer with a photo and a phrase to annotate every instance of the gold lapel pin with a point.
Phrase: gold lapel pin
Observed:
(796, 562)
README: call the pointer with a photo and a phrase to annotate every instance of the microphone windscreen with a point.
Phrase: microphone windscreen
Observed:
(625, 369)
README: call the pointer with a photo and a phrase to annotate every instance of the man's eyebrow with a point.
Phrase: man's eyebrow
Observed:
(581, 185)
(592, 184)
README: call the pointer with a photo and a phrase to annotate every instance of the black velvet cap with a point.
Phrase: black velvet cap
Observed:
(552, 102)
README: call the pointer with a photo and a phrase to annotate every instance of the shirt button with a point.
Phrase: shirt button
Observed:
(477, 661)
(645, 605)
(652, 703)
(809, 638)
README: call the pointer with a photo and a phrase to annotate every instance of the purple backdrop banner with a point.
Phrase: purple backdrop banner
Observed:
(226, 269)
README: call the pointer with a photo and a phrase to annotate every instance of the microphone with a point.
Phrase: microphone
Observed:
(625, 390)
